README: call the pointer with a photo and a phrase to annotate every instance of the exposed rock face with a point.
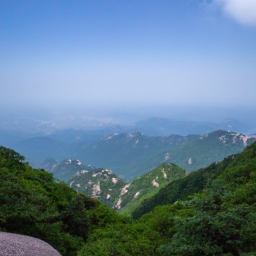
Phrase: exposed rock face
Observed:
(114, 180)
(236, 138)
(164, 173)
(19, 245)
(99, 183)
(118, 204)
(124, 189)
(136, 194)
(155, 184)
(96, 190)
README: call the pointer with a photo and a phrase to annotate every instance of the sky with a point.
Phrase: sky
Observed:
(128, 54)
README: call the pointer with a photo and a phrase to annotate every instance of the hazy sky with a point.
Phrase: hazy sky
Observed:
(103, 52)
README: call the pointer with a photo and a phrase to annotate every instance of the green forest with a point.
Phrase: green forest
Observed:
(211, 211)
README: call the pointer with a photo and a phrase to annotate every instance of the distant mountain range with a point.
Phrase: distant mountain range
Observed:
(129, 154)
(204, 150)
(72, 129)
(128, 150)
(189, 152)
(132, 154)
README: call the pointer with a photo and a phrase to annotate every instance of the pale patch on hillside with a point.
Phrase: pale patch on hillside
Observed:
(136, 194)
(235, 138)
(164, 173)
(96, 190)
(98, 174)
(155, 184)
(109, 171)
(114, 180)
(223, 139)
(110, 136)
(70, 185)
(137, 141)
(124, 189)
(130, 135)
(118, 204)
(244, 138)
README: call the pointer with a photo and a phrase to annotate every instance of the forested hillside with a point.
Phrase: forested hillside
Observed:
(210, 212)
(218, 218)
(99, 183)
(147, 185)
(180, 189)
(32, 203)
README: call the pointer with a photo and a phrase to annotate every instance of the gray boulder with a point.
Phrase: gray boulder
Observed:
(20, 245)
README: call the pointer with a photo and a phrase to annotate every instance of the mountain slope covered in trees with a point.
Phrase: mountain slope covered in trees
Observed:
(215, 215)
(131, 155)
(32, 203)
(180, 189)
(217, 219)
(99, 183)
(147, 185)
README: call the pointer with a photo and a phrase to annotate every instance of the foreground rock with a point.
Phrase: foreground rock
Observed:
(19, 245)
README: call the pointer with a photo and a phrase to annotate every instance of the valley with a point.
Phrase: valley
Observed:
(163, 204)
(127, 128)
(127, 184)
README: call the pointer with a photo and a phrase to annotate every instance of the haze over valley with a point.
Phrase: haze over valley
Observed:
(128, 127)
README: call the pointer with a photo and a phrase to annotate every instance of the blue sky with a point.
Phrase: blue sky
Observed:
(128, 52)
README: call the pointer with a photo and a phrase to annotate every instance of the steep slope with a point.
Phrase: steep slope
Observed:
(193, 183)
(216, 219)
(224, 219)
(180, 189)
(206, 149)
(145, 186)
(33, 204)
(100, 183)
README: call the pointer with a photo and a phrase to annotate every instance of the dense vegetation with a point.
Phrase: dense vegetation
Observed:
(217, 218)
(32, 203)
(148, 185)
(98, 183)
(182, 188)
(220, 219)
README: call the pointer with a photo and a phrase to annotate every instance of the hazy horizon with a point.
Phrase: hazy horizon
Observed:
(129, 60)
(130, 114)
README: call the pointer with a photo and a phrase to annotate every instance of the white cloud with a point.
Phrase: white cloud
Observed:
(244, 11)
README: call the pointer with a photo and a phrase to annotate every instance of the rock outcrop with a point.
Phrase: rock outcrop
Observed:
(20, 245)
